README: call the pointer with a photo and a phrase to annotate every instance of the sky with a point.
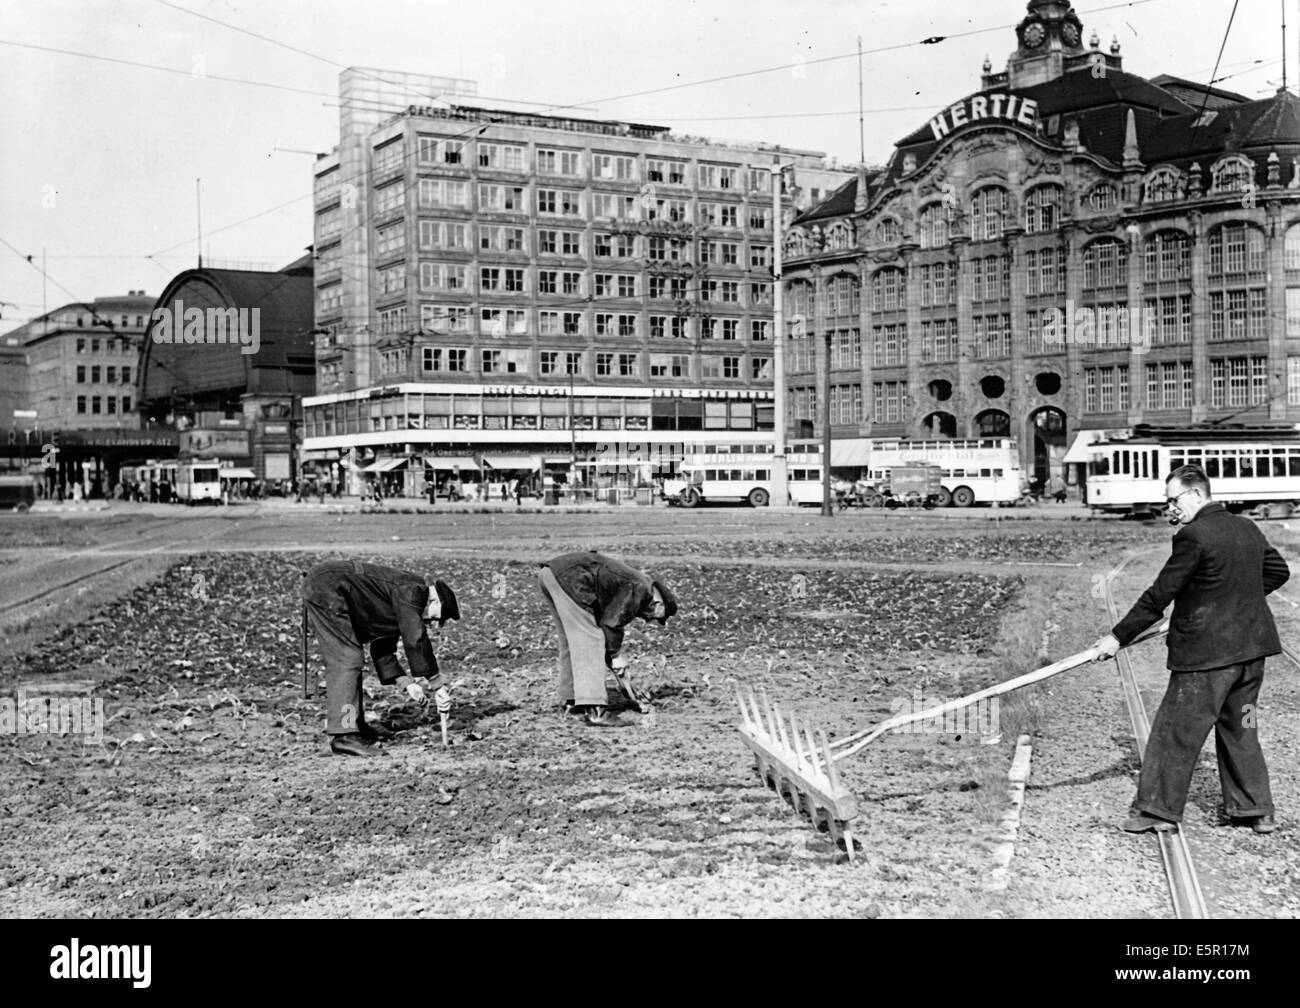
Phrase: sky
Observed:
(99, 159)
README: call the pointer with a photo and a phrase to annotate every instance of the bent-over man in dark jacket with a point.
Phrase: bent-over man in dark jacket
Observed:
(1217, 577)
(350, 603)
(592, 598)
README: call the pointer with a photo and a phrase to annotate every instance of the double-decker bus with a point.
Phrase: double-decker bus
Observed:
(199, 482)
(742, 474)
(975, 471)
(1247, 466)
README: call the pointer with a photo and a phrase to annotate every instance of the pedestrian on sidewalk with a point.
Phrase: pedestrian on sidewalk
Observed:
(1217, 576)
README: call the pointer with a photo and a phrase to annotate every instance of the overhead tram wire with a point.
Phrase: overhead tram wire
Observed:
(189, 73)
(932, 40)
(1191, 141)
(302, 52)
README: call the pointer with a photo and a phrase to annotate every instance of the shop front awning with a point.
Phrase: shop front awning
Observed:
(385, 465)
(529, 462)
(851, 452)
(451, 462)
(1079, 448)
(237, 474)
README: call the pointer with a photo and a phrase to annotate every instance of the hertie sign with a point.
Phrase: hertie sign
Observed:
(977, 108)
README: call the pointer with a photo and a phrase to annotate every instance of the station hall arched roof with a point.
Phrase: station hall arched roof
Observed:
(284, 360)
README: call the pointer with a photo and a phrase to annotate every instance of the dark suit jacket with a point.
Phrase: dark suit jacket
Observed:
(384, 606)
(614, 593)
(1217, 576)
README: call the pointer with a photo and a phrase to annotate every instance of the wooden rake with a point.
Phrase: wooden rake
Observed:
(791, 757)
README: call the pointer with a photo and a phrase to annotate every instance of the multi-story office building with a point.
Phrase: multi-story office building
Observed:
(1071, 248)
(82, 362)
(525, 289)
(82, 366)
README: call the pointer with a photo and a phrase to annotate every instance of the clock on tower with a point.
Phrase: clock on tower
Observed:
(1070, 33)
(1034, 34)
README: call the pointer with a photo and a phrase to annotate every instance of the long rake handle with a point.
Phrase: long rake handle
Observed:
(850, 744)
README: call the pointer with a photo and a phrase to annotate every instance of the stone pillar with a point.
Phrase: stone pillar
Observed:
(1075, 404)
(1137, 357)
(1275, 300)
(915, 402)
(1200, 321)
(864, 330)
(963, 394)
(1019, 392)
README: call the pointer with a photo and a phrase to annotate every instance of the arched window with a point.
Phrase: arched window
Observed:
(799, 294)
(1043, 209)
(839, 237)
(1163, 185)
(889, 289)
(994, 423)
(796, 243)
(1292, 248)
(1167, 256)
(934, 224)
(1234, 173)
(1105, 264)
(888, 232)
(1103, 197)
(1235, 248)
(988, 213)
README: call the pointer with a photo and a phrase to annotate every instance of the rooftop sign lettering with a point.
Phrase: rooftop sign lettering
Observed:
(1012, 109)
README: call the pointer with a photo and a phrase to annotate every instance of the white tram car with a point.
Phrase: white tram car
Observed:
(1247, 467)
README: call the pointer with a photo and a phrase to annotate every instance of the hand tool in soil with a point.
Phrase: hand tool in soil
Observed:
(791, 758)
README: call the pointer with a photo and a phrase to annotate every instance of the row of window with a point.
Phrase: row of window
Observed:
(990, 214)
(511, 157)
(453, 194)
(552, 363)
(453, 236)
(461, 412)
(110, 374)
(114, 344)
(98, 319)
(446, 319)
(102, 404)
(517, 280)
(1234, 382)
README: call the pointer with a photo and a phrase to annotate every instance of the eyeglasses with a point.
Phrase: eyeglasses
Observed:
(1173, 501)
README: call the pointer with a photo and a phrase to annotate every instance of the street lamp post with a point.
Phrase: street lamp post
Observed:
(828, 509)
(780, 475)
(573, 438)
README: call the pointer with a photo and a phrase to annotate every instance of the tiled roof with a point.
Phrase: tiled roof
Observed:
(1250, 126)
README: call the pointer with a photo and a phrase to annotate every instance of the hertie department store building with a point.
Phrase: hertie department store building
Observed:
(1071, 248)
(507, 294)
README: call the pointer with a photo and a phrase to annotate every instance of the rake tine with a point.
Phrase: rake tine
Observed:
(763, 704)
(744, 714)
(848, 840)
(796, 748)
(774, 719)
(832, 776)
(812, 751)
(779, 734)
